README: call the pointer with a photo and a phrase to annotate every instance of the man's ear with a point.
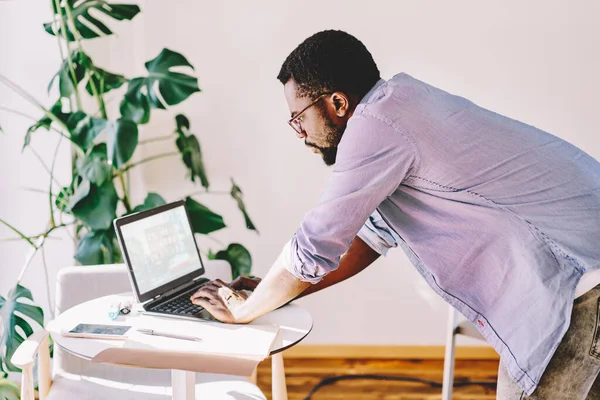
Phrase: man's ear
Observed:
(341, 104)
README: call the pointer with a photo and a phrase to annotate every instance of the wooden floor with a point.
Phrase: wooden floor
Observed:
(304, 373)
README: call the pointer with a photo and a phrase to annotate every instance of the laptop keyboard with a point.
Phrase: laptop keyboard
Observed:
(180, 305)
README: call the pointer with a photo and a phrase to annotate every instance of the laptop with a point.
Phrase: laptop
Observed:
(164, 264)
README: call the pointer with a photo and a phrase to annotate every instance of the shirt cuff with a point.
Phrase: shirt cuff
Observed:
(290, 260)
(377, 234)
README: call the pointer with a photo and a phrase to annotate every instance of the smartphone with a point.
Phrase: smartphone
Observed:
(96, 331)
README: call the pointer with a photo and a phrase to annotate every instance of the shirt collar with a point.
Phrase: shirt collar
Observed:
(367, 96)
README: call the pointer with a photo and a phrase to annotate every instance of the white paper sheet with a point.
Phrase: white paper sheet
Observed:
(216, 338)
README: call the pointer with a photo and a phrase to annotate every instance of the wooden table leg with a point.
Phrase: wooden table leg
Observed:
(279, 388)
(183, 384)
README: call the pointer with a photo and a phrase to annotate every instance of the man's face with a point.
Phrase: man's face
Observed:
(320, 126)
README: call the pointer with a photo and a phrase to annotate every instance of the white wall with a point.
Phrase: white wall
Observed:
(29, 57)
(536, 61)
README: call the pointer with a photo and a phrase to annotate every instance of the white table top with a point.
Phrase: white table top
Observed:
(294, 322)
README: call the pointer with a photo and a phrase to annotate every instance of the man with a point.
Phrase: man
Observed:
(500, 218)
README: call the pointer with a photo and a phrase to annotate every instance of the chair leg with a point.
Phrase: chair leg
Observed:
(183, 384)
(27, 392)
(448, 381)
(44, 374)
(279, 389)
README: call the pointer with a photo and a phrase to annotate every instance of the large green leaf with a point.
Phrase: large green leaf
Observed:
(15, 327)
(98, 209)
(173, 87)
(46, 121)
(135, 105)
(86, 24)
(67, 85)
(105, 81)
(79, 192)
(122, 141)
(152, 200)
(190, 150)
(96, 247)
(203, 220)
(84, 128)
(238, 257)
(94, 168)
(237, 194)
(9, 390)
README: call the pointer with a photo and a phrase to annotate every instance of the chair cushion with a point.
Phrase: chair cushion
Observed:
(208, 387)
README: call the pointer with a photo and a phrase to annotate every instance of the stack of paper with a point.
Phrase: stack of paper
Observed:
(223, 348)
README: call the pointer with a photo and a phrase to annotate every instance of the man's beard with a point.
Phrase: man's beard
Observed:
(333, 135)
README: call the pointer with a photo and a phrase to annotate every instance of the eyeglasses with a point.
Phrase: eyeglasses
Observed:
(296, 122)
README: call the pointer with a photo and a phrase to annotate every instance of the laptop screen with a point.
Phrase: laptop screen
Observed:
(160, 248)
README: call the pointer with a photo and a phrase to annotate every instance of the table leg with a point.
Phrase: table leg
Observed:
(183, 384)
(279, 388)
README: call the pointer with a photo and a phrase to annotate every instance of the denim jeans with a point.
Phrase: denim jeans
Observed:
(572, 373)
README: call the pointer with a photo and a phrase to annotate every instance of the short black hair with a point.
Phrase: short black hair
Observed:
(330, 61)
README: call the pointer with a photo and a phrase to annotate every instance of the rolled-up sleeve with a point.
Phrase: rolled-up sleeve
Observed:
(373, 159)
(377, 234)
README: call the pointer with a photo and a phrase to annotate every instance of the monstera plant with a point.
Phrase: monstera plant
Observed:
(103, 147)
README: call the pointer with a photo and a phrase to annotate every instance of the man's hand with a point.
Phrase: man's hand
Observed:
(220, 300)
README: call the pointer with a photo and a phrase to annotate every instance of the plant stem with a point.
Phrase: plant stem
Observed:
(18, 232)
(18, 89)
(69, 59)
(30, 189)
(215, 240)
(44, 165)
(32, 100)
(222, 192)
(52, 223)
(57, 36)
(126, 202)
(40, 242)
(156, 139)
(14, 239)
(50, 306)
(77, 35)
(144, 160)
(16, 112)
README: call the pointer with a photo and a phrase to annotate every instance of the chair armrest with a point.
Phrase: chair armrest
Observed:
(24, 357)
(26, 352)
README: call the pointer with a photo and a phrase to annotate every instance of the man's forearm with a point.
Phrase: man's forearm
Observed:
(358, 257)
(278, 287)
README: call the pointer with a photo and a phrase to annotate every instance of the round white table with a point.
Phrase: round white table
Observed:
(294, 322)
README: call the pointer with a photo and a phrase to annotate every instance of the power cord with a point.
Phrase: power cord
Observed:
(333, 379)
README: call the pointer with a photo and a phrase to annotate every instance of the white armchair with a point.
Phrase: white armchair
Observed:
(76, 378)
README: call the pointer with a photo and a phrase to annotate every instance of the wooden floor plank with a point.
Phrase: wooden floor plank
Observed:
(302, 374)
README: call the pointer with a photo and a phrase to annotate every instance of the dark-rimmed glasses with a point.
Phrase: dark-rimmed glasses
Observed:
(296, 121)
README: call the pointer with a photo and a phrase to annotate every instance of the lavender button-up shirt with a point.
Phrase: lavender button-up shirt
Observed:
(500, 218)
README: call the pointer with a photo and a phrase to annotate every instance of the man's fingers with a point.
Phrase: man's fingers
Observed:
(206, 292)
(202, 302)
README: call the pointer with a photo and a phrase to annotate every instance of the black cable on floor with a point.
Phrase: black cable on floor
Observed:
(333, 379)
